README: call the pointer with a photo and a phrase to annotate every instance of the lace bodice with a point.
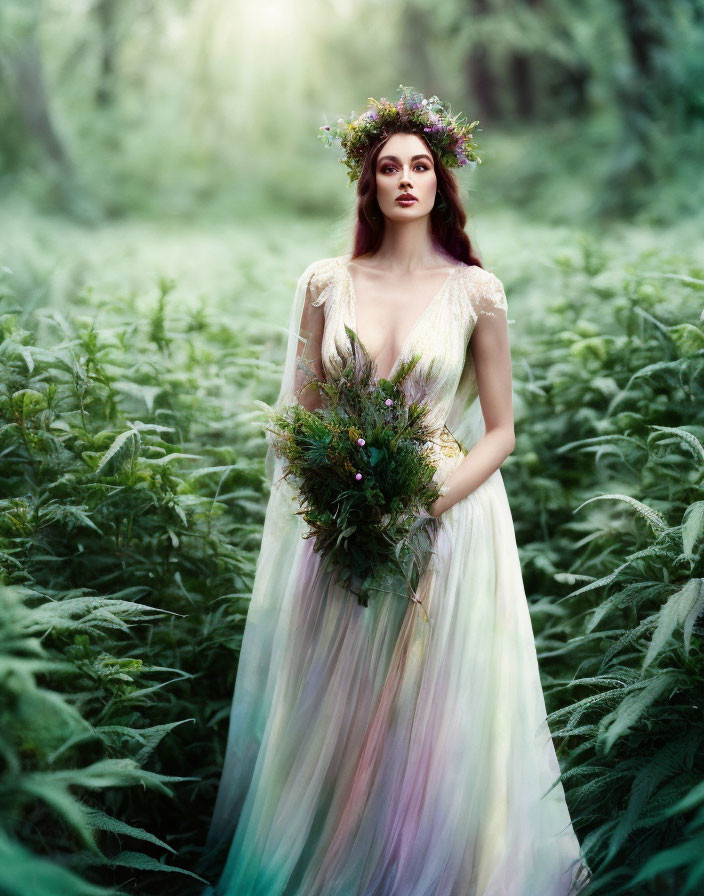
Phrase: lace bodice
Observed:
(440, 334)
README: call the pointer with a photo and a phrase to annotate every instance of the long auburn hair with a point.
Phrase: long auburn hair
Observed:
(447, 218)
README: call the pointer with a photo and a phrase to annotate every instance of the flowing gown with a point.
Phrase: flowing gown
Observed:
(372, 752)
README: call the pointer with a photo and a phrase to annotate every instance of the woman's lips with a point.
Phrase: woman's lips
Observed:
(405, 201)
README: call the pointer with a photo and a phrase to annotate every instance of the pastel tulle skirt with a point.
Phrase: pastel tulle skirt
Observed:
(390, 756)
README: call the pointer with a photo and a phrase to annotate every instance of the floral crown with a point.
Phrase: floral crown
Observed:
(450, 136)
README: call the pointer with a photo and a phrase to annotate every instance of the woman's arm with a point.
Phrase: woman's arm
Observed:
(491, 353)
(310, 351)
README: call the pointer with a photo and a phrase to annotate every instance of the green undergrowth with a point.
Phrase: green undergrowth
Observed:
(131, 507)
(132, 498)
(607, 491)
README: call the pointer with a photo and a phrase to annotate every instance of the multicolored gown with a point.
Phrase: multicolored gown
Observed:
(371, 752)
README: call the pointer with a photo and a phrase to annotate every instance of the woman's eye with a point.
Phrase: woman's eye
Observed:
(393, 167)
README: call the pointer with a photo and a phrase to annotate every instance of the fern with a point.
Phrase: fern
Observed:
(682, 608)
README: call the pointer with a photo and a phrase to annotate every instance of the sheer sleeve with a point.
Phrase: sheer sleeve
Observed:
(309, 364)
(488, 297)
(484, 296)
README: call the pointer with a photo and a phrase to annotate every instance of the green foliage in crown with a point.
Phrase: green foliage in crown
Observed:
(450, 136)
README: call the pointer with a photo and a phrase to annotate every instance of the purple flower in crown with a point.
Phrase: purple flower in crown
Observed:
(413, 111)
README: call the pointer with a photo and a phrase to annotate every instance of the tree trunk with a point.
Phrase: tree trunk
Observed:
(522, 81)
(32, 99)
(641, 96)
(417, 25)
(480, 77)
(106, 14)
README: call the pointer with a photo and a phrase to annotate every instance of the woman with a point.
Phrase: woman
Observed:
(369, 752)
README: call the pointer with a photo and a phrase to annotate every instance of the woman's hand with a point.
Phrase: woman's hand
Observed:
(483, 458)
(438, 507)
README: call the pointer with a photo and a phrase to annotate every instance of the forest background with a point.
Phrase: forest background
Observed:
(162, 188)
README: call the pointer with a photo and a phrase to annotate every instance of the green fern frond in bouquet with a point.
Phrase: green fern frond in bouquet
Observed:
(364, 474)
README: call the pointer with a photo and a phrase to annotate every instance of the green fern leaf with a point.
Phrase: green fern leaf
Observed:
(635, 705)
(652, 516)
(682, 608)
(683, 435)
(692, 526)
(122, 451)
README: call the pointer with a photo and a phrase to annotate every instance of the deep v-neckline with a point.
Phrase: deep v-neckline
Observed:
(418, 320)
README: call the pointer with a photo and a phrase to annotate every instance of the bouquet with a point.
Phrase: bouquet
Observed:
(364, 475)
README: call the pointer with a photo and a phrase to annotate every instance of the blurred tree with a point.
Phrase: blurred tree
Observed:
(105, 12)
(652, 92)
(642, 91)
(25, 66)
(524, 59)
(417, 32)
(160, 103)
(564, 57)
(523, 85)
(480, 77)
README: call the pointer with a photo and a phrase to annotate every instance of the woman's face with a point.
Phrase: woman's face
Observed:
(405, 165)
